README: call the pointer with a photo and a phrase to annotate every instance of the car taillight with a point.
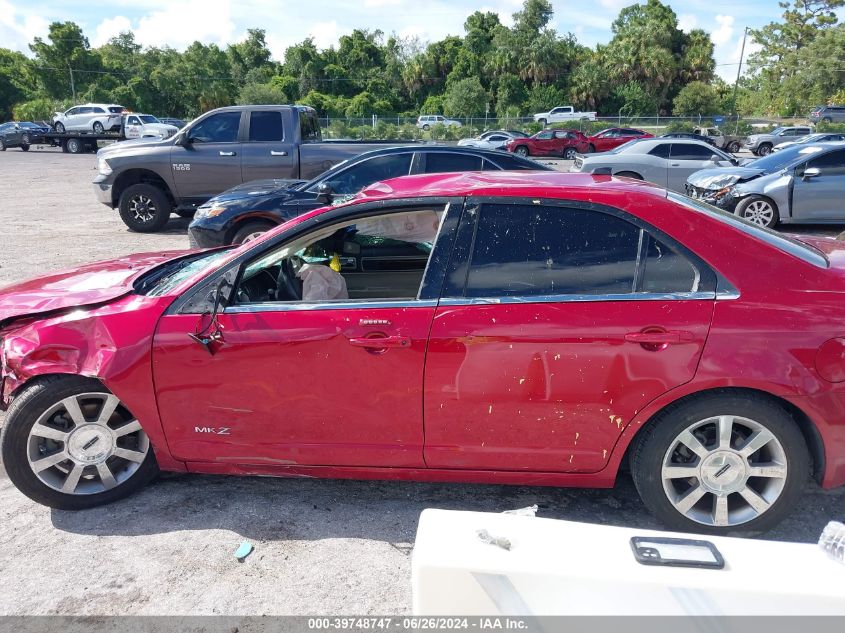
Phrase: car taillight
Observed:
(830, 360)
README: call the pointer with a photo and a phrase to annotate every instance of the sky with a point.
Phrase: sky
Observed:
(177, 23)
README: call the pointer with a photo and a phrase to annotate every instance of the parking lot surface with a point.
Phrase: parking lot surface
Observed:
(321, 546)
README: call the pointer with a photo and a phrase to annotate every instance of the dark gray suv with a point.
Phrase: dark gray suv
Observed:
(827, 114)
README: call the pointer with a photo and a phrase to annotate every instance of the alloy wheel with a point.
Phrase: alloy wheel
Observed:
(86, 444)
(252, 236)
(724, 470)
(759, 212)
(142, 208)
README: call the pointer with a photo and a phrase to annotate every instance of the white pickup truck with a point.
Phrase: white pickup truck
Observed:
(140, 125)
(563, 113)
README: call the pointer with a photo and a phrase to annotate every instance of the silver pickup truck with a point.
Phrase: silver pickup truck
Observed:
(146, 180)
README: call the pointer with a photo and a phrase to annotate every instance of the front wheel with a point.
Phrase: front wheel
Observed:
(521, 151)
(251, 231)
(60, 128)
(2, 145)
(426, 127)
(98, 127)
(764, 150)
(720, 464)
(759, 210)
(144, 208)
(70, 444)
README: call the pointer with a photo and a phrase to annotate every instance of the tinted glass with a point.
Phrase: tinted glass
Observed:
(115, 110)
(831, 164)
(266, 127)
(309, 126)
(442, 162)
(665, 271)
(688, 151)
(218, 128)
(531, 251)
(98, 111)
(544, 135)
(358, 176)
(661, 151)
(133, 120)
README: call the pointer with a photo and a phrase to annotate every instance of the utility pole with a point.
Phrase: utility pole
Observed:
(738, 73)
(72, 85)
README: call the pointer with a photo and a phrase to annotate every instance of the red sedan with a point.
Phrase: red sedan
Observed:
(563, 143)
(611, 138)
(524, 328)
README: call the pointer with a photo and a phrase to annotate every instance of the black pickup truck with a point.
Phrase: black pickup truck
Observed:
(148, 179)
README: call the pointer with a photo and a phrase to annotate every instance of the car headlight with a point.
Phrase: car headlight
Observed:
(103, 167)
(209, 211)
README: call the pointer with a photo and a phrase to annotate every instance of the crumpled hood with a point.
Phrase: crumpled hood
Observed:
(716, 178)
(254, 188)
(86, 285)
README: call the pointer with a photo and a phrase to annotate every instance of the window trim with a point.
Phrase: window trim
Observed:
(710, 283)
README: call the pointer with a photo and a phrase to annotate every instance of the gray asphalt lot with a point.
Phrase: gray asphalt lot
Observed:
(321, 546)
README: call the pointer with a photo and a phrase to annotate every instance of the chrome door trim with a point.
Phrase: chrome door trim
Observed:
(299, 306)
(632, 296)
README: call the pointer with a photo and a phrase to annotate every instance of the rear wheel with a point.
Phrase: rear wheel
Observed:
(721, 463)
(144, 208)
(70, 444)
(759, 210)
(569, 153)
(25, 147)
(2, 145)
(426, 127)
(521, 151)
(827, 119)
(251, 231)
(734, 147)
(764, 150)
(74, 146)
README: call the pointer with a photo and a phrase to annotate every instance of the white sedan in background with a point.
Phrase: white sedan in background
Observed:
(667, 162)
(493, 139)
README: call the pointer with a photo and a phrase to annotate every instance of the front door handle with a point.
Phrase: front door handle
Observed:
(381, 342)
(227, 153)
(275, 153)
(659, 337)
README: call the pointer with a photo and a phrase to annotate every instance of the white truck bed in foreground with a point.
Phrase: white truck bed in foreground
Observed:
(565, 568)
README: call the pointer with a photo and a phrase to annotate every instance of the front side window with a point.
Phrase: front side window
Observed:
(365, 173)
(543, 136)
(380, 257)
(266, 127)
(830, 164)
(530, 251)
(218, 128)
(133, 120)
(661, 150)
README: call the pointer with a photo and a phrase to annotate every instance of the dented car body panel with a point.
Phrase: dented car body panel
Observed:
(545, 391)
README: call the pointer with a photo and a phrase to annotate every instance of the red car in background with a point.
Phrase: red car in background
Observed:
(563, 143)
(614, 137)
(530, 328)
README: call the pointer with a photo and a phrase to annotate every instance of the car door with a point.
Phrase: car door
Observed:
(542, 143)
(133, 127)
(497, 141)
(78, 119)
(209, 159)
(606, 141)
(558, 323)
(267, 153)
(688, 158)
(819, 197)
(312, 382)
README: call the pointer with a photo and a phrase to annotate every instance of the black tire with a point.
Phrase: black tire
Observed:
(250, 229)
(25, 410)
(746, 209)
(764, 150)
(649, 451)
(628, 174)
(734, 147)
(591, 149)
(60, 128)
(521, 150)
(25, 140)
(426, 127)
(2, 145)
(185, 213)
(74, 146)
(569, 153)
(827, 119)
(98, 128)
(144, 208)
(25, 148)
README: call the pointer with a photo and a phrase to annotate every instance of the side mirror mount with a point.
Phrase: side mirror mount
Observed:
(714, 158)
(184, 139)
(810, 172)
(324, 193)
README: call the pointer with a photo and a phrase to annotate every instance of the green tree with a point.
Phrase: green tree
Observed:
(696, 98)
(261, 94)
(465, 98)
(15, 81)
(249, 56)
(65, 61)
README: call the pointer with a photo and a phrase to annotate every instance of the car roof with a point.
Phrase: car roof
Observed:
(546, 184)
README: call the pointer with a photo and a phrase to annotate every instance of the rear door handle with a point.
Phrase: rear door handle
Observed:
(382, 342)
(659, 338)
(275, 153)
(227, 153)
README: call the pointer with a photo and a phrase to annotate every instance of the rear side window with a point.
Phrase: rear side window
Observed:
(690, 151)
(266, 127)
(664, 270)
(309, 126)
(443, 162)
(365, 173)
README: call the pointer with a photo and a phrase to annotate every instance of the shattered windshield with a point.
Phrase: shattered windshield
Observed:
(163, 279)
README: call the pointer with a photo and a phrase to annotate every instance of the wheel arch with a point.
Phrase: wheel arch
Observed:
(812, 437)
(238, 222)
(136, 176)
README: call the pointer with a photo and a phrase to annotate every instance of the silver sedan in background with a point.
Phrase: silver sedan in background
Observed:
(803, 183)
(667, 162)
